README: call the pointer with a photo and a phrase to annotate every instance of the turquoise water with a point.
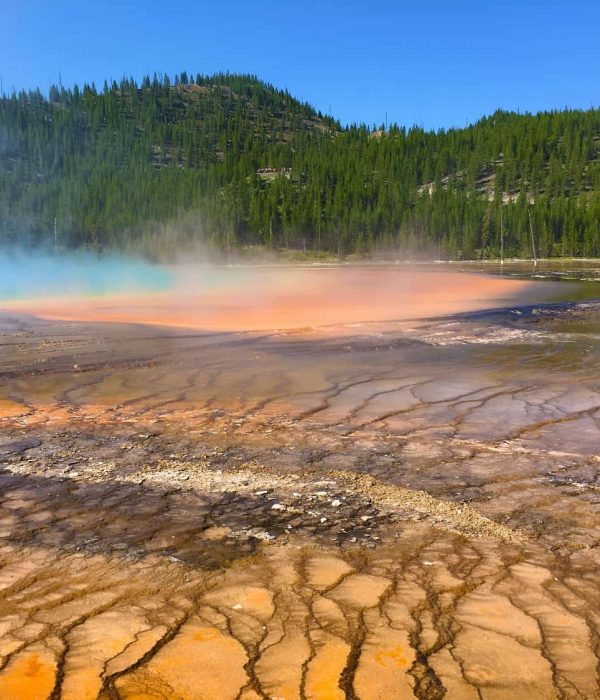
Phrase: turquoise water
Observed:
(26, 276)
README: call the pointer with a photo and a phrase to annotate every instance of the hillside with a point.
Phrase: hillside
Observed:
(228, 160)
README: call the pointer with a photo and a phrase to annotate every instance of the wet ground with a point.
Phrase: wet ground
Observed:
(383, 510)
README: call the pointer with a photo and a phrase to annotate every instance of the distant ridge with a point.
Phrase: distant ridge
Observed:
(228, 161)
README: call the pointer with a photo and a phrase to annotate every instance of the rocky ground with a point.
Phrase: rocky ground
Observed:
(388, 511)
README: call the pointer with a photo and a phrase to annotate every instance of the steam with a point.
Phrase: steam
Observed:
(35, 275)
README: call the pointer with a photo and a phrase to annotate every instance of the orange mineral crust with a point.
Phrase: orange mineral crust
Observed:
(228, 299)
(350, 502)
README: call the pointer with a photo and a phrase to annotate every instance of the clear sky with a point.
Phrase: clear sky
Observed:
(433, 63)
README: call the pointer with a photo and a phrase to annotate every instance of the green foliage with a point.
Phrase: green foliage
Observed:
(228, 160)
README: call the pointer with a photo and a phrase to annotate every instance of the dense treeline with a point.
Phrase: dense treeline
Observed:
(230, 161)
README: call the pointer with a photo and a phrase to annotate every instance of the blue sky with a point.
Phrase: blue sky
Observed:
(435, 64)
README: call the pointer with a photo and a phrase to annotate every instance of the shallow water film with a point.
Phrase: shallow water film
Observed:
(372, 509)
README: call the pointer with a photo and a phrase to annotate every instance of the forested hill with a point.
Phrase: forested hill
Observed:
(229, 161)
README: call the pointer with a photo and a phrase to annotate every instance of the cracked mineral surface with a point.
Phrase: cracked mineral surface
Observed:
(394, 509)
